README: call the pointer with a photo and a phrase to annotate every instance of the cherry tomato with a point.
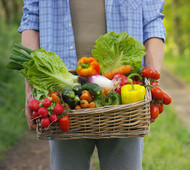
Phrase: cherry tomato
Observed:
(53, 93)
(148, 72)
(121, 80)
(137, 77)
(138, 82)
(167, 99)
(154, 111)
(160, 106)
(64, 123)
(157, 92)
(157, 75)
(155, 83)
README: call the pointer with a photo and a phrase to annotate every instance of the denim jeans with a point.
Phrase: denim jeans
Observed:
(114, 154)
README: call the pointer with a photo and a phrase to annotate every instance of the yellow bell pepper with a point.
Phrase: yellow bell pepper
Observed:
(132, 93)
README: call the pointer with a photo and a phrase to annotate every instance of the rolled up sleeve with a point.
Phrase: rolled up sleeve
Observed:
(30, 18)
(153, 20)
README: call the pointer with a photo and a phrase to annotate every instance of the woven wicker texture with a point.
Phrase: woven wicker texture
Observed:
(116, 121)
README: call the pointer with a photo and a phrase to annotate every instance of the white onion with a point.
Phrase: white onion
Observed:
(102, 81)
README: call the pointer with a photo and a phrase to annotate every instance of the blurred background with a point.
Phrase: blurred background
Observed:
(168, 144)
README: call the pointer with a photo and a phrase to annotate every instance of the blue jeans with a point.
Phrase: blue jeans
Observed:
(114, 154)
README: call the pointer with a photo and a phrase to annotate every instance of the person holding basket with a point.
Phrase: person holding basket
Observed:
(70, 28)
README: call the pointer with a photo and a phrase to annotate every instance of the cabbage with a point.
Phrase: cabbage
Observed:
(113, 50)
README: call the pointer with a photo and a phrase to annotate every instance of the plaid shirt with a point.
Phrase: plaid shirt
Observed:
(142, 19)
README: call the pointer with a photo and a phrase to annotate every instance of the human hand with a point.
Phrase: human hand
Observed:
(28, 111)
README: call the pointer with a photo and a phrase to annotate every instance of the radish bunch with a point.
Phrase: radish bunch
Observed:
(46, 110)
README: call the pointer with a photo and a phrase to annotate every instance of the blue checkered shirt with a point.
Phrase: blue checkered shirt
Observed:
(142, 19)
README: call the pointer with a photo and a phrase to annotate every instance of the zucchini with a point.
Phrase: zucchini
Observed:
(93, 88)
(77, 89)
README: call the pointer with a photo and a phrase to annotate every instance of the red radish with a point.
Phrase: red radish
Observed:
(46, 102)
(58, 109)
(42, 111)
(53, 119)
(34, 104)
(45, 122)
(35, 114)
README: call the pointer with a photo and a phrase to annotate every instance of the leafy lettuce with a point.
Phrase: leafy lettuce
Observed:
(47, 71)
(113, 50)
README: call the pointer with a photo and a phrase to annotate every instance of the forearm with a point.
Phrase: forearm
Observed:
(30, 39)
(155, 53)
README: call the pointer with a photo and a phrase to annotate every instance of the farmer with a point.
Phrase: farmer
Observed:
(70, 28)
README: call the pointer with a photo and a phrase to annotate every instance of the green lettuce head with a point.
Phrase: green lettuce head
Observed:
(113, 50)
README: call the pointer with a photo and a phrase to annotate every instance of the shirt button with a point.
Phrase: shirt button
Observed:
(69, 25)
(71, 47)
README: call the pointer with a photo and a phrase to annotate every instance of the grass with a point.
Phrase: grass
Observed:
(168, 144)
(12, 122)
(179, 65)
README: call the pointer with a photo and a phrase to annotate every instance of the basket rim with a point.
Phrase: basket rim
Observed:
(108, 108)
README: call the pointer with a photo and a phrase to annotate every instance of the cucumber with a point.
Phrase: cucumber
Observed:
(93, 88)
(66, 92)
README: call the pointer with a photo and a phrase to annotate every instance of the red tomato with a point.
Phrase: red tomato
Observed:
(157, 92)
(167, 99)
(148, 72)
(53, 93)
(155, 83)
(64, 123)
(138, 82)
(160, 106)
(157, 75)
(136, 78)
(121, 80)
(154, 111)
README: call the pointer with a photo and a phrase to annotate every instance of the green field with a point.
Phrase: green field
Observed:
(12, 121)
(179, 65)
(168, 144)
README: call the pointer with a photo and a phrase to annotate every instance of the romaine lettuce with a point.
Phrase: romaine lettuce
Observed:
(47, 71)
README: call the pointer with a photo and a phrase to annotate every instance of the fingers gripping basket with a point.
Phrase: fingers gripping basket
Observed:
(116, 121)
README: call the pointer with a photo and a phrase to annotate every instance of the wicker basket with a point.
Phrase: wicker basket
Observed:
(116, 121)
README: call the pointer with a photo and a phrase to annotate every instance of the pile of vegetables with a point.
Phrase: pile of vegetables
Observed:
(113, 76)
